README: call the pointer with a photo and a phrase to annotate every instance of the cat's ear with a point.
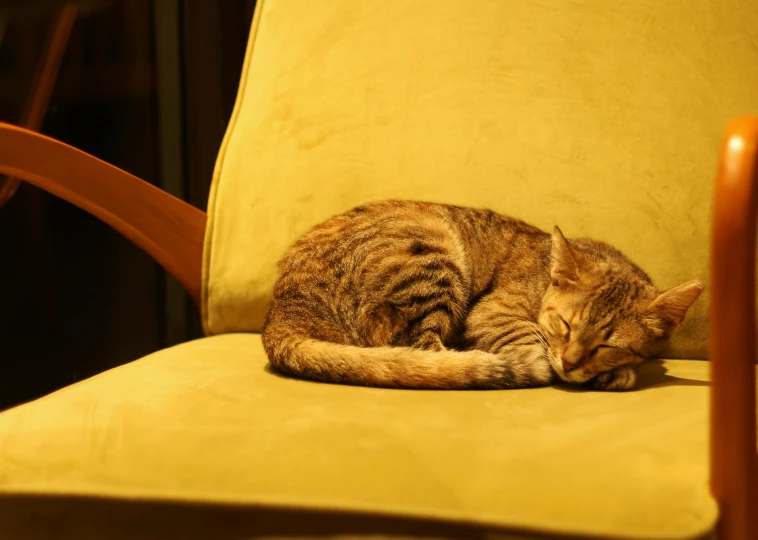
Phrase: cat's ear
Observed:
(667, 311)
(564, 266)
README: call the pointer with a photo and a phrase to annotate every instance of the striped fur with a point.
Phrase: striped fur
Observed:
(421, 295)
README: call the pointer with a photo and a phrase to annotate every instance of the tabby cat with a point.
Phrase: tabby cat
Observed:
(422, 295)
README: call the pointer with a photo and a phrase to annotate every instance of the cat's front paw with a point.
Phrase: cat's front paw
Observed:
(616, 380)
(538, 372)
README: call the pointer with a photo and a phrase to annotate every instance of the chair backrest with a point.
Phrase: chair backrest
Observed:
(602, 117)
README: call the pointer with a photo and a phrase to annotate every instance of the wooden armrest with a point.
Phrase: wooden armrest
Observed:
(734, 482)
(168, 229)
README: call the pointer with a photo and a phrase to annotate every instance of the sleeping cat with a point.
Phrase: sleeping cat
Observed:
(420, 295)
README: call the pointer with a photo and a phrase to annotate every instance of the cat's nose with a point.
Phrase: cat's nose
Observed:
(568, 366)
(572, 356)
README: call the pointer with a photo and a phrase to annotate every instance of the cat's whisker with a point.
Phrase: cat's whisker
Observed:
(537, 332)
(540, 338)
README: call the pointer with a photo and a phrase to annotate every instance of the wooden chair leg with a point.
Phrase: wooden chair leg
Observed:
(44, 81)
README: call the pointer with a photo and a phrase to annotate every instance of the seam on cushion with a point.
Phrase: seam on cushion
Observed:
(212, 198)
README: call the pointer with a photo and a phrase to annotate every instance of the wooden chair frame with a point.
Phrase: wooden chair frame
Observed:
(172, 231)
(43, 84)
(168, 229)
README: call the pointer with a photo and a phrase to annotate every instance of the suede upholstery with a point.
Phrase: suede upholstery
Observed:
(207, 423)
(604, 118)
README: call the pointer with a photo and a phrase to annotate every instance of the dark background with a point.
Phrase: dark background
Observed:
(148, 86)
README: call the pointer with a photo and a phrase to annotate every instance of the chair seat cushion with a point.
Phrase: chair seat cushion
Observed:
(208, 425)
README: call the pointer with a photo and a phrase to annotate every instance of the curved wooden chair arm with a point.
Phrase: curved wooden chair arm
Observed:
(734, 464)
(168, 229)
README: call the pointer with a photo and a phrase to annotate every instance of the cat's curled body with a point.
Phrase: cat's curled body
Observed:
(422, 295)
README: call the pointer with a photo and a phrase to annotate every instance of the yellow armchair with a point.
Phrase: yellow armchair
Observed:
(602, 118)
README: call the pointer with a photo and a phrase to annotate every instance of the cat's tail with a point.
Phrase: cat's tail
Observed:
(405, 367)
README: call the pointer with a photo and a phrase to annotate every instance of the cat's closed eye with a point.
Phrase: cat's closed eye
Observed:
(599, 348)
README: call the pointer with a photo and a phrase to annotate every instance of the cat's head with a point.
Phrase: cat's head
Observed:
(602, 311)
